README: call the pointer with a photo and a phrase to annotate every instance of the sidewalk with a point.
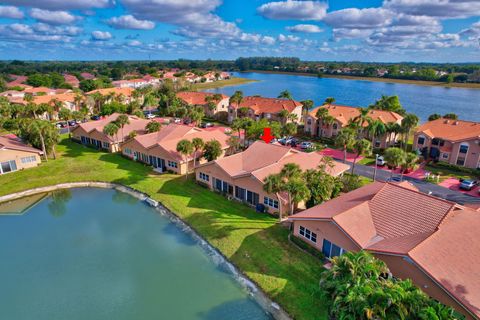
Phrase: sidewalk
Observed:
(338, 154)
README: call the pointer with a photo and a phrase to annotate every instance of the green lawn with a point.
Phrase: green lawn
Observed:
(446, 173)
(222, 83)
(254, 242)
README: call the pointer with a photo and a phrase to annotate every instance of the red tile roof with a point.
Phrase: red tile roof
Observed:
(344, 114)
(127, 92)
(268, 105)
(440, 236)
(12, 142)
(196, 98)
(451, 130)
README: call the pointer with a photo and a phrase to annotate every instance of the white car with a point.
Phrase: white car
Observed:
(177, 120)
(150, 116)
(306, 145)
(381, 161)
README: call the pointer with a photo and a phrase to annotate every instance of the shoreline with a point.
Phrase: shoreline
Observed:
(234, 81)
(474, 86)
(252, 289)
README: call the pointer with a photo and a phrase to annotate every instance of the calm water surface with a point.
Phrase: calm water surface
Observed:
(101, 254)
(422, 100)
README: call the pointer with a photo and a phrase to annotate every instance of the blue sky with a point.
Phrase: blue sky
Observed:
(365, 30)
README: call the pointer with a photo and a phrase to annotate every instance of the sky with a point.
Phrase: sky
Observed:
(328, 30)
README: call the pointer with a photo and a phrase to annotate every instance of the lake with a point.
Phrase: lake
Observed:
(421, 100)
(100, 254)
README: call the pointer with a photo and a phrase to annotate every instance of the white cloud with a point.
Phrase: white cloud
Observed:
(22, 32)
(473, 31)
(293, 10)
(101, 35)
(350, 33)
(61, 4)
(305, 28)
(58, 30)
(52, 17)
(134, 43)
(289, 38)
(359, 18)
(11, 12)
(436, 8)
(130, 22)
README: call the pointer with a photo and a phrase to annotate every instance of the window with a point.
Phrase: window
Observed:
(463, 148)
(309, 121)
(222, 186)
(445, 155)
(421, 140)
(335, 126)
(8, 166)
(172, 164)
(252, 197)
(377, 144)
(306, 233)
(105, 145)
(270, 202)
(204, 177)
(29, 159)
(127, 151)
(240, 193)
(331, 250)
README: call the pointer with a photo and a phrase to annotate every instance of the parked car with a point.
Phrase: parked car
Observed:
(394, 179)
(177, 120)
(381, 161)
(306, 145)
(95, 118)
(293, 142)
(206, 125)
(150, 116)
(467, 184)
(72, 123)
(187, 121)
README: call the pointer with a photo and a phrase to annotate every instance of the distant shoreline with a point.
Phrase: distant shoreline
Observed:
(234, 81)
(374, 79)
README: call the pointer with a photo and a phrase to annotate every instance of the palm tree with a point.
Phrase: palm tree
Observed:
(236, 98)
(185, 148)
(121, 121)
(273, 184)
(393, 128)
(306, 106)
(411, 159)
(153, 126)
(361, 147)
(329, 100)
(64, 114)
(98, 100)
(39, 128)
(78, 99)
(283, 115)
(394, 157)
(376, 128)
(362, 118)
(324, 117)
(409, 122)
(111, 129)
(198, 145)
(345, 139)
(285, 94)
(234, 144)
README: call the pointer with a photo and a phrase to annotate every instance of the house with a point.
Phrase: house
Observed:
(56, 101)
(431, 241)
(123, 94)
(342, 116)
(71, 80)
(39, 91)
(268, 108)
(453, 141)
(201, 99)
(241, 175)
(87, 76)
(17, 155)
(159, 149)
(91, 133)
(137, 83)
(18, 81)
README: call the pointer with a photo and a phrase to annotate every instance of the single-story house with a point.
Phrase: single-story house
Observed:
(159, 149)
(454, 141)
(241, 175)
(433, 242)
(17, 155)
(268, 108)
(342, 116)
(91, 133)
(201, 99)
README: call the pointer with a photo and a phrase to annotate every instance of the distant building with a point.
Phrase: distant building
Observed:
(201, 99)
(71, 80)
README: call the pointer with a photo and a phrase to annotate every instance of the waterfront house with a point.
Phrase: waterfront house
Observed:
(241, 175)
(453, 141)
(342, 115)
(201, 99)
(268, 108)
(17, 155)
(431, 241)
(91, 133)
(159, 149)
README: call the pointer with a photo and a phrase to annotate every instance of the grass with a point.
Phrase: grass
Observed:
(254, 242)
(446, 173)
(234, 81)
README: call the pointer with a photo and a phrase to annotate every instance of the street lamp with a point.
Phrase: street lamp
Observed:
(375, 168)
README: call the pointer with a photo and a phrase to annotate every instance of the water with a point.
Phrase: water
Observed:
(101, 254)
(421, 100)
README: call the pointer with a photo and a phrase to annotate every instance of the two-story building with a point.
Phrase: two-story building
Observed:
(268, 108)
(159, 149)
(342, 115)
(17, 155)
(431, 241)
(192, 98)
(241, 176)
(454, 141)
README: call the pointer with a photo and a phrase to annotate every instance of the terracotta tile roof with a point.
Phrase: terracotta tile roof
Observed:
(49, 98)
(169, 136)
(451, 130)
(261, 160)
(344, 114)
(38, 90)
(12, 142)
(106, 91)
(195, 98)
(268, 105)
(440, 236)
(136, 124)
(87, 76)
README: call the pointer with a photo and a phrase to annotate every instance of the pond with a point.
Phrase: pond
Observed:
(421, 100)
(92, 253)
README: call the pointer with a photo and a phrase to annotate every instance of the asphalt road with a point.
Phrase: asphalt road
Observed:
(423, 186)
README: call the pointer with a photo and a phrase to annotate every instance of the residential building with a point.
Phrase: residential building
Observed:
(66, 100)
(241, 175)
(453, 141)
(122, 94)
(87, 76)
(91, 133)
(18, 81)
(71, 80)
(431, 241)
(159, 149)
(342, 116)
(200, 99)
(17, 155)
(137, 83)
(39, 91)
(268, 108)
